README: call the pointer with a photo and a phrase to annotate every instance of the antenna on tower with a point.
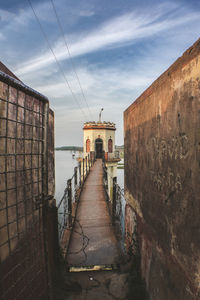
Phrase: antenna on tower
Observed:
(100, 115)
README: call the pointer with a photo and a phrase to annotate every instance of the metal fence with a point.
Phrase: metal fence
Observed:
(72, 193)
(116, 205)
(24, 119)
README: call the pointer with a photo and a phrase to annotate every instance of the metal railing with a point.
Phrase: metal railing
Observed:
(72, 193)
(116, 204)
(107, 156)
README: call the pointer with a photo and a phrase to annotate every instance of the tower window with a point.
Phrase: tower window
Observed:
(110, 146)
(88, 145)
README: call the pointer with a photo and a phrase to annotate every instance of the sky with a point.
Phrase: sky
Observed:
(117, 49)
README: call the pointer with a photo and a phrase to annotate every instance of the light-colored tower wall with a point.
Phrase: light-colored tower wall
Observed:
(106, 132)
(94, 131)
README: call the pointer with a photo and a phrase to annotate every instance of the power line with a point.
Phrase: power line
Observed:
(57, 62)
(72, 62)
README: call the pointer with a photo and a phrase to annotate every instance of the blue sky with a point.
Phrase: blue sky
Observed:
(118, 47)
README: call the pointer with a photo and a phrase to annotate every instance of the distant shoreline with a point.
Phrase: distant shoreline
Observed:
(77, 148)
(69, 148)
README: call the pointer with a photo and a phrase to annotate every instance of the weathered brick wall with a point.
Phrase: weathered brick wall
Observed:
(162, 183)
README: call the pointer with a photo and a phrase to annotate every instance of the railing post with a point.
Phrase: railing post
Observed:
(106, 177)
(114, 199)
(86, 163)
(89, 161)
(79, 173)
(75, 177)
(103, 156)
(83, 171)
(65, 207)
(69, 194)
(75, 184)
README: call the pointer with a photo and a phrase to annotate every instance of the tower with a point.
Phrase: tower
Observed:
(99, 142)
(99, 139)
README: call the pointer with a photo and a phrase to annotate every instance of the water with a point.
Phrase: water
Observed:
(120, 176)
(64, 167)
(64, 170)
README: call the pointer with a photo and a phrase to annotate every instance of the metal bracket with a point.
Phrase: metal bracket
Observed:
(41, 199)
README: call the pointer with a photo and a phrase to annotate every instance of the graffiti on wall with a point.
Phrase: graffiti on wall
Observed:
(175, 148)
(163, 151)
(169, 180)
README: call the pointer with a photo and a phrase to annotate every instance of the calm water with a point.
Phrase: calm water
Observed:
(120, 176)
(64, 167)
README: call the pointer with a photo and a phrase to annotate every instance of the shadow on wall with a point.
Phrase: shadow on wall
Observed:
(162, 181)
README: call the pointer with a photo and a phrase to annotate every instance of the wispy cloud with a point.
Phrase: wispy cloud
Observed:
(87, 13)
(2, 37)
(5, 15)
(98, 81)
(14, 20)
(117, 32)
(159, 34)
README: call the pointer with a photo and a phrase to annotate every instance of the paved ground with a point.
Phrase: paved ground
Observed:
(96, 285)
(93, 241)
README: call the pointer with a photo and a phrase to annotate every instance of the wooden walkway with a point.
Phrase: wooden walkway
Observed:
(93, 241)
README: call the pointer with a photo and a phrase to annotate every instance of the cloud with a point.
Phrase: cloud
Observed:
(15, 21)
(2, 37)
(87, 13)
(6, 15)
(97, 80)
(12, 21)
(117, 32)
(109, 88)
(166, 29)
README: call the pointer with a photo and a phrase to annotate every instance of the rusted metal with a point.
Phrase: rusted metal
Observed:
(89, 162)
(75, 176)
(114, 200)
(79, 167)
(69, 194)
(83, 170)
(86, 166)
(116, 208)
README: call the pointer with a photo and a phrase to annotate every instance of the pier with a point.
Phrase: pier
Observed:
(93, 241)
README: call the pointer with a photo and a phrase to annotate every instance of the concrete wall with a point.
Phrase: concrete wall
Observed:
(112, 172)
(162, 183)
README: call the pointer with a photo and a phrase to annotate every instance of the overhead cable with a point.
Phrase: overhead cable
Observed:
(56, 60)
(71, 59)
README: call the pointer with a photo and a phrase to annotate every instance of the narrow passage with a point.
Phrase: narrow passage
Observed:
(93, 241)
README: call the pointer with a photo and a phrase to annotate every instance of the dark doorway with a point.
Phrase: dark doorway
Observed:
(99, 148)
